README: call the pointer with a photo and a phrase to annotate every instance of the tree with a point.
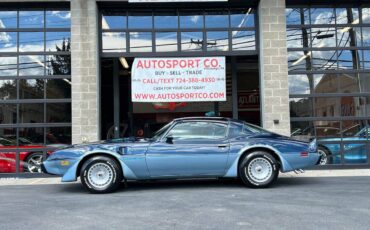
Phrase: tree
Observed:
(61, 64)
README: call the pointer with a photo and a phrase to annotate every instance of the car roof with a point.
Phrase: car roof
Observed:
(207, 119)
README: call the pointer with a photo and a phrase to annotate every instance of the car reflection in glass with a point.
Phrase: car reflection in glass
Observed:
(354, 144)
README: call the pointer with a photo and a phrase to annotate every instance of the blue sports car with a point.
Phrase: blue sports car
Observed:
(354, 147)
(196, 147)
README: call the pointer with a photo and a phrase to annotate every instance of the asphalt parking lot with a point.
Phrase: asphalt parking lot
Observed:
(335, 202)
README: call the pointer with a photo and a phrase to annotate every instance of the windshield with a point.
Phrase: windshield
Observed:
(249, 128)
(161, 131)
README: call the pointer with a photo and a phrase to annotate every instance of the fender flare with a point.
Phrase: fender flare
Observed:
(233, 170)
(71, 174)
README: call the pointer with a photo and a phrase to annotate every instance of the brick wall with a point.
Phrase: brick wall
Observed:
(274, 66)
(85, 89)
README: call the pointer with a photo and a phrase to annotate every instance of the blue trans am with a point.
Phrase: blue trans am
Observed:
(354, 148)
(195, 147)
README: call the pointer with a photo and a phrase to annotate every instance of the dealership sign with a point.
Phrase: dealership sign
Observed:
(178, 79)
(155, 1)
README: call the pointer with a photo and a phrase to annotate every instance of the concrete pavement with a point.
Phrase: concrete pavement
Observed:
(309, 173)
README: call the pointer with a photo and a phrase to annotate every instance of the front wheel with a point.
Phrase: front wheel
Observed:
(258, 169)
(101, 175)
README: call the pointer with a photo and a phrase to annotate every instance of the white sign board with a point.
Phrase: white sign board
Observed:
(178, 79)
(155, 1)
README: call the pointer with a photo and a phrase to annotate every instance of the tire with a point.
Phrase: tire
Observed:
(101, 174)
(325, 155)
(258, 169)
(32, 163)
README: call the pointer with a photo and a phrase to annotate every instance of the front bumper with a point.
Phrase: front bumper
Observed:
(43, 169)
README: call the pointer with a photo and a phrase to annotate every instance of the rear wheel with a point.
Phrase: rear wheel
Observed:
(101, 174)
(324, 156)
(258, 169)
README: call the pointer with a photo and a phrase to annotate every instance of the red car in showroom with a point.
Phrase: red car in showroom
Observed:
(30, 160)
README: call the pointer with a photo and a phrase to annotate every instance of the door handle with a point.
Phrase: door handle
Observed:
(222, 146)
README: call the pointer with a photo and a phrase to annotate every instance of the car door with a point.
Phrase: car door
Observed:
(190, 148)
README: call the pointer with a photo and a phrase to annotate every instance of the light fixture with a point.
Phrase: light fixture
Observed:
(124, 62)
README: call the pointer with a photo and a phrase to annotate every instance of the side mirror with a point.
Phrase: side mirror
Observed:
(169, 140)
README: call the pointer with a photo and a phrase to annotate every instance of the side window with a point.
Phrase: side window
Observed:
(198, 130)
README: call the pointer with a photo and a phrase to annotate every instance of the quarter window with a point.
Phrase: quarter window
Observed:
(198, 130)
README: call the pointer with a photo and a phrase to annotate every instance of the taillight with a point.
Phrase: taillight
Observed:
(304, 154)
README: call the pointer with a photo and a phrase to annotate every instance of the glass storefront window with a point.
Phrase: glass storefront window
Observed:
(31, 89)
(349, 83)
(345, 59)
(8, 113)
(218, 40)
(348, 36)
(159, 30)
(9, 19)
(336, 68)
(300, 107)
(31, 41)
(166, 41)
(327, 129)
(297, 16)
(31, 65)
(8, 89)
(8, 42)
(322, 16)
(58, 112)
(323, 37)
(58, 88)
(114, 42)
(58, 64)
(365, 15)
(31, 136)
(56, 41)
(243, 40)
(217, 19)
(325, 83)
(58, 135)
(114, 22)
(191, 41)
(302, 130)
(166, 20)
(298, 60)
(365, 36)
(7, 160)
(140, 20)
(347, 15)
(140, 42)
(298, 38)
(31, 19)
(324, 60)
(31, 113)
(364, 82)
(36, 31)
(189, 19)
(299, 84)
(242, 18)
(58, 19)
(8, 66)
